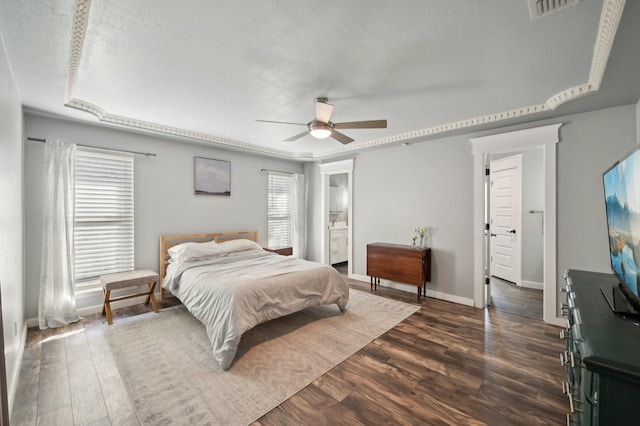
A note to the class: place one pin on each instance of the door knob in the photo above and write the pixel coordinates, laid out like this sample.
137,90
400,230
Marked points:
513,231
494,235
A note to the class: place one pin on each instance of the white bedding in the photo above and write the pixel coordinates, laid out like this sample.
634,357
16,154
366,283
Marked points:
232,294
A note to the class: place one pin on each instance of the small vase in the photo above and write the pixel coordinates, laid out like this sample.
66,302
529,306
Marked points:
414,243
421,238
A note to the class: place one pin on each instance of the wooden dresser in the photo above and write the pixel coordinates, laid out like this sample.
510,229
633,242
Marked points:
400,263
603,354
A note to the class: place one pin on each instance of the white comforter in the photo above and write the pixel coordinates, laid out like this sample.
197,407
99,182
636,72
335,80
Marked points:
231,295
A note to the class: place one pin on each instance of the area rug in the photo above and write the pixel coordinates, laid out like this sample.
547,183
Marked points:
167,365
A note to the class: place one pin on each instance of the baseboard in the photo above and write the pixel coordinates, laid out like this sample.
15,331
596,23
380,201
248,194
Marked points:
559,321
412,289
532,284
14,376
97,309
357,277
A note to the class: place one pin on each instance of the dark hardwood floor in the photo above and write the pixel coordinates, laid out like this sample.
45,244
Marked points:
508,297
445,364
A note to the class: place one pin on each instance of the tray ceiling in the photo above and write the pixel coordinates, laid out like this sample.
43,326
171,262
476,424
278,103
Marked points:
207,70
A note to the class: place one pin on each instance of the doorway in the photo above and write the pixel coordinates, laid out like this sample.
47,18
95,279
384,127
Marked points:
545,138
515,194
336,207
338,222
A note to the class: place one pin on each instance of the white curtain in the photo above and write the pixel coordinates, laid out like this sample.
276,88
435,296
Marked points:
299,216
57,304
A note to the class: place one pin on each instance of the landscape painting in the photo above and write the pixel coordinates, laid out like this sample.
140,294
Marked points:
212,177
622,199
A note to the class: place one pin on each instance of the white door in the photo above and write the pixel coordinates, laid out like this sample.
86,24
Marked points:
505,218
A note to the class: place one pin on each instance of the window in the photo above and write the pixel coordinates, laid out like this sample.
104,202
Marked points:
280,210
103,236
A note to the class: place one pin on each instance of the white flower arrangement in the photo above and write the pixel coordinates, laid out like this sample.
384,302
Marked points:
420,230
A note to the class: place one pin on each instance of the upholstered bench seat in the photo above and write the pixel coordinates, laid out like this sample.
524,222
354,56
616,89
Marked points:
121,280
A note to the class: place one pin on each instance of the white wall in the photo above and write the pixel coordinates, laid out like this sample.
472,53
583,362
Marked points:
423,184
397,189
638,123
165,203
314,215
590,143
11,224
532,199
430,183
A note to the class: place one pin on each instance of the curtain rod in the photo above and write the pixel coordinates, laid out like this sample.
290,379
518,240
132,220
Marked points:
146,154
276,171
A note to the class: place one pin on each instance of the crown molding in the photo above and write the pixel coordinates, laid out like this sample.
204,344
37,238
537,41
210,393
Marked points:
120,120
78,35
609,22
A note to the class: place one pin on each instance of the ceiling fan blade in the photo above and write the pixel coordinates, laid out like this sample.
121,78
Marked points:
341,137
281,122
323,112
371,124
296,137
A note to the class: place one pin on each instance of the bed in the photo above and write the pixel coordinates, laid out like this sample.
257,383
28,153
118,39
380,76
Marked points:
231,284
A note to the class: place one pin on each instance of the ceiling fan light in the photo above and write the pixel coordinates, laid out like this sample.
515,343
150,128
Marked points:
320,131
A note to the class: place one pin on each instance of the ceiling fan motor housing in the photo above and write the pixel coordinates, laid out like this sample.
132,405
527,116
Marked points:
319,129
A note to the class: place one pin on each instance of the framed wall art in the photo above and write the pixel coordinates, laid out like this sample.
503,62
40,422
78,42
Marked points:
212,177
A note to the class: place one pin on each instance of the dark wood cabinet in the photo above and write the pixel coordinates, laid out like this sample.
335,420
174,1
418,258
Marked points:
400,263
602,357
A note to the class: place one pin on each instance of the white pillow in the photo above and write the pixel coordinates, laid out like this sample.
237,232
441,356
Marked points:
233,246
189,252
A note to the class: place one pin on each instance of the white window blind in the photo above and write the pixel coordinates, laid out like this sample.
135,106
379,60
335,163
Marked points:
103,236
280,210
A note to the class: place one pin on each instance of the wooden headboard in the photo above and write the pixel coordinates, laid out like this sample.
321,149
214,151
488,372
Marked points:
168,241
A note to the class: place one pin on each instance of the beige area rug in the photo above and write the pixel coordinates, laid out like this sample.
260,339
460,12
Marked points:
168,368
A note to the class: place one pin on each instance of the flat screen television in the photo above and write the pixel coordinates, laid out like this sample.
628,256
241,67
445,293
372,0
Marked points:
622,200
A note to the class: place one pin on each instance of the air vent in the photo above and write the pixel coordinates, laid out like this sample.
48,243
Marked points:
540,8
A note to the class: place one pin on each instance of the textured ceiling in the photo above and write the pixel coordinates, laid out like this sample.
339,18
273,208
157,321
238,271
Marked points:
207,70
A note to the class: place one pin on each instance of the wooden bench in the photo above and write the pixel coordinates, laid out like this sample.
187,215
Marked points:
128,279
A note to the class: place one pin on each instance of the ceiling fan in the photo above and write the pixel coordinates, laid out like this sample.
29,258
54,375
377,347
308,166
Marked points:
322,127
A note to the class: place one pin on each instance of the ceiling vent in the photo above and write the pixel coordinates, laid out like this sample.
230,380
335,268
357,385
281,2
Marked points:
540,8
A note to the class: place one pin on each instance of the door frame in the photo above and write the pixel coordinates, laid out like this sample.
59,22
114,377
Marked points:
545,137
327,169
